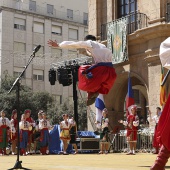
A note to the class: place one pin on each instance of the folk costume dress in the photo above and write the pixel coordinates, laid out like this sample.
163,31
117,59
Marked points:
73,131
37,133
13,129
65,131
4,125
24,127
30,134
104,130
131,124
44,126
99,77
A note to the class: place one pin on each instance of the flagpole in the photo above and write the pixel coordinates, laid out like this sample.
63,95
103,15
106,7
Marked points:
165,78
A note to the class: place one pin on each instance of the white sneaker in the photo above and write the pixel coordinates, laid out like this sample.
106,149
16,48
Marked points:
134,152
47,152
13,153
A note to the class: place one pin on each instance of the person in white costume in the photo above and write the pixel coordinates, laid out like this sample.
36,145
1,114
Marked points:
98,78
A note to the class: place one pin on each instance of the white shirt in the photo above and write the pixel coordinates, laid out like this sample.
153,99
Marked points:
44,124
99,51
24,125
154,119
164,53
4,121
72,122
64,126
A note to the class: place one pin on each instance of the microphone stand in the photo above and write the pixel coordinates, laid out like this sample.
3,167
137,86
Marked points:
18,164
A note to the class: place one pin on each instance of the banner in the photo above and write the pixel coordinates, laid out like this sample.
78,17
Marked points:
117,40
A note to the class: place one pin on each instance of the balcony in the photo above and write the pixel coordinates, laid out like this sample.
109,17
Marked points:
135,21
21,6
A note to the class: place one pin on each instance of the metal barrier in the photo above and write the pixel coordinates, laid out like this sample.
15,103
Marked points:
118,142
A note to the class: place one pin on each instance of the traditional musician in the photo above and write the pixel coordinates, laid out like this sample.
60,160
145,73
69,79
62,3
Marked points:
13,130
104,132
44,126
24,127
29,119
73,134
65,134
131,124
4,125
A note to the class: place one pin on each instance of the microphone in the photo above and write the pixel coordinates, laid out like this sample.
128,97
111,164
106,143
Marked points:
36,49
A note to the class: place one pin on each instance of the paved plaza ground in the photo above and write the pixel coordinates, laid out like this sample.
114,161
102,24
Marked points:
112,161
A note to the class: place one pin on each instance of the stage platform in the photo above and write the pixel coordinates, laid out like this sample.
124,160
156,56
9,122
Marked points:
112,161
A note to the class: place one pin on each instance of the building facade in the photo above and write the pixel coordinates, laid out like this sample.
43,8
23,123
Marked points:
148,25
25,24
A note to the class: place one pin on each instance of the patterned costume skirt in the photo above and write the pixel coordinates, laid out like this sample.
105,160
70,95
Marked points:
23,139
131,135
3,137
65,134
44,137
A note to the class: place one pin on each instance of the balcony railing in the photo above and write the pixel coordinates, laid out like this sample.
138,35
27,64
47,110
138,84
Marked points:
18,5
135,21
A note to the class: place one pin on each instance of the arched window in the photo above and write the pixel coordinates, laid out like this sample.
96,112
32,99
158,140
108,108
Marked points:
126,7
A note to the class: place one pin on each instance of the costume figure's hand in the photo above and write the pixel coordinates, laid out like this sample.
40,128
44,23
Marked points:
52,43
120,121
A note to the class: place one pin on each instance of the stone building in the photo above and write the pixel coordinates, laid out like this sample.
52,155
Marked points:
25,24
148,25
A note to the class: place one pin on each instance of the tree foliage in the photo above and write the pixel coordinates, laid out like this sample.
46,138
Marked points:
27,98
36,101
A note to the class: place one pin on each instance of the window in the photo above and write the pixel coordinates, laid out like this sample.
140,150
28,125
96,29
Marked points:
85,33
129,8
56,30
126,7
70,13
19,47
38,27
32,6
85,18
55,52
50,9
38,75
18,71
73,34
19,23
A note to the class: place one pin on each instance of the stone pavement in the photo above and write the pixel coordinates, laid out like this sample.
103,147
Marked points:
112,161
